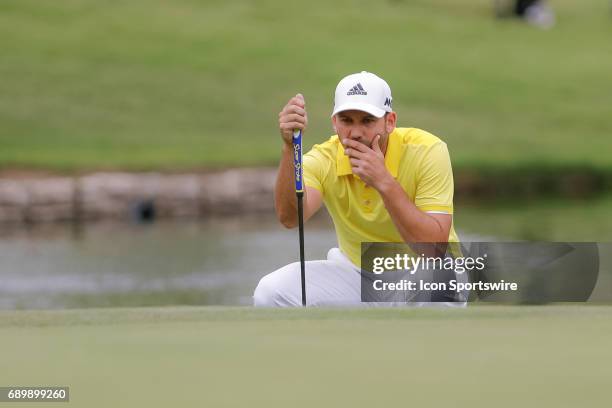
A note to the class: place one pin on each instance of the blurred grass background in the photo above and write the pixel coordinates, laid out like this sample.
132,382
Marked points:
538,220
196,84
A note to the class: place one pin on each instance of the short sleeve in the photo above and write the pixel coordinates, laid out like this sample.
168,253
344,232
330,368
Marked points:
315,169
435,186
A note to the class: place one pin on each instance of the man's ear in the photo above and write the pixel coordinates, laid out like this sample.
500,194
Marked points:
390,122
334,124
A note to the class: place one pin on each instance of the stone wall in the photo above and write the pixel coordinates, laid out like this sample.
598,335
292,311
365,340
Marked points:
27,198
135,195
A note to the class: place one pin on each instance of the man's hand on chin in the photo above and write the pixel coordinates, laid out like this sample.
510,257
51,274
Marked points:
368,163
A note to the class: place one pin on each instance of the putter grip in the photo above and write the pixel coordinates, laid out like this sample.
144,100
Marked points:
297,161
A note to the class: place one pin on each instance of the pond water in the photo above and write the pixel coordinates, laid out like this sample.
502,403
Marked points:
219,261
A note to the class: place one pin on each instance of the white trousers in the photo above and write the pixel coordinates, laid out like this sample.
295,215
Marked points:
332,282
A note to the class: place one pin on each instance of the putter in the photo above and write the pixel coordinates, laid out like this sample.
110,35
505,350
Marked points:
299,192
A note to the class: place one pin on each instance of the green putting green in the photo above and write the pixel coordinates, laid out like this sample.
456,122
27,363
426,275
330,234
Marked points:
482,356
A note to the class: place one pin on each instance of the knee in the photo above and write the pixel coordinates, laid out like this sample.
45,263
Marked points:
279,288
266,293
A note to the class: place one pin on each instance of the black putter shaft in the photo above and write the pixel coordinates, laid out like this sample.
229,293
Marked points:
299,191
300,196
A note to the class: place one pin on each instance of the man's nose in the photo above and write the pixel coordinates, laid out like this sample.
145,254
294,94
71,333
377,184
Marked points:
354,133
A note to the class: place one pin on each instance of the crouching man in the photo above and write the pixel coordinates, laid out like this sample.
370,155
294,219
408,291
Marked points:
379,183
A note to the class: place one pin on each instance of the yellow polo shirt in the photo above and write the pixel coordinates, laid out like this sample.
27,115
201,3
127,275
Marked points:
417,159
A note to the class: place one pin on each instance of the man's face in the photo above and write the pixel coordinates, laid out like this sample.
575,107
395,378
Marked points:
363,127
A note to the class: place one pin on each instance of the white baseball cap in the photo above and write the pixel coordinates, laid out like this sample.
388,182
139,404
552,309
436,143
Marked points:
365,92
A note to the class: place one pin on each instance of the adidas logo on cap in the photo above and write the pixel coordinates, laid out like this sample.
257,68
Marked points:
357,90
